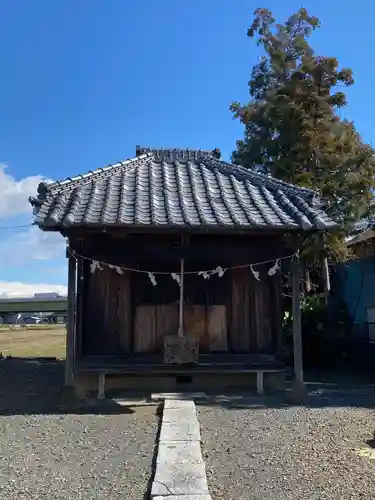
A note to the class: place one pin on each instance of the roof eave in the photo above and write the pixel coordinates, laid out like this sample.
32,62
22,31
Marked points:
360,237
199,229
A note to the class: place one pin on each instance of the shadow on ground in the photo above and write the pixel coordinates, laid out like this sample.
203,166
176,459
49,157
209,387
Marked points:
322,397
325,390
33,386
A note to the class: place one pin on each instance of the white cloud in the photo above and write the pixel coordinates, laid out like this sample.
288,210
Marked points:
30,245
32,249
19,289
14,193
27,245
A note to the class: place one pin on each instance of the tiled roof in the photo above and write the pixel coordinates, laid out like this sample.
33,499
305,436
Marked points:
362,230
177,188
363,225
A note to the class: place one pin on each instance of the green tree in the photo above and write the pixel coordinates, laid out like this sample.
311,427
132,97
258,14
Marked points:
292,127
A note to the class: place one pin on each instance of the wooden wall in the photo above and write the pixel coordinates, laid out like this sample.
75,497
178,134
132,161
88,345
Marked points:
126,313
153,322
133,249
156,308
107,322
252,310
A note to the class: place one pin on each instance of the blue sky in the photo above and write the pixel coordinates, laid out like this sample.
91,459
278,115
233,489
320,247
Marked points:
84,81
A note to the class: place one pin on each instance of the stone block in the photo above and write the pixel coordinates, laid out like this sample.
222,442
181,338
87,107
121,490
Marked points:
179,415
181,350
182,431
133,402
179,479
182,396
177,404
183,497
179,451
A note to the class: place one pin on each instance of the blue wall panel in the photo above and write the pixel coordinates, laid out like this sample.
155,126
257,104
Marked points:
355,286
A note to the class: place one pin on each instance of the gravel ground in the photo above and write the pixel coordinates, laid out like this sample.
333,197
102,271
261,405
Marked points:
47,455
255,451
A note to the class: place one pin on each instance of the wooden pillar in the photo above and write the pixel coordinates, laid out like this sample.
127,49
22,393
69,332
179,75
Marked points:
71,326
181,303
308,285
277,319
298,390
79,317
326,279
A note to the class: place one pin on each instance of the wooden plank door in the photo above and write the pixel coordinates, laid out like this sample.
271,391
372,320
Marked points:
195,324
152,323
210,324
217,328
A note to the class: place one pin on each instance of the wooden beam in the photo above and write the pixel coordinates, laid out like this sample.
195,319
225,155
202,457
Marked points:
71,326
186,231
298,391
210,252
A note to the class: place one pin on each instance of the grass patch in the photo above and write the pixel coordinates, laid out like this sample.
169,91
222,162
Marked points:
33,342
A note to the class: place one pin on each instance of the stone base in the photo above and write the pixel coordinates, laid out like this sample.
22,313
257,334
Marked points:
298,395
181,350
68,400
86,385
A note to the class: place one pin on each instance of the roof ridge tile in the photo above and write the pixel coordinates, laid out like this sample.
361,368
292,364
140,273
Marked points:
175,154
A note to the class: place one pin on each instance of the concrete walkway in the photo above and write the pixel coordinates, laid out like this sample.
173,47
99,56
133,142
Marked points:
180,470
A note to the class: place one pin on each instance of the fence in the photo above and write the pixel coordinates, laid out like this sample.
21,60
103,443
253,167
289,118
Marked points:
358,332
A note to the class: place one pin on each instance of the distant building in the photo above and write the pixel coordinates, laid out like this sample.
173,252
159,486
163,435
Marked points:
354,280
47,295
